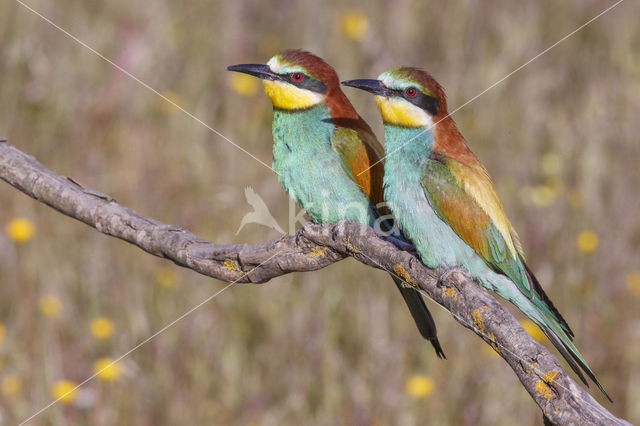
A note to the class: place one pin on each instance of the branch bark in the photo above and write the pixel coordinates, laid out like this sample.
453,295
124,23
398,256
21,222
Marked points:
561,399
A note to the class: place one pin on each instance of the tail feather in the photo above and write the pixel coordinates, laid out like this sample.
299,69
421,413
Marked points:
421,315
566,354
548,318
540,291
561,340
419,311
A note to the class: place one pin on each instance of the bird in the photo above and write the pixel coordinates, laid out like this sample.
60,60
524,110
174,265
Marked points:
325,154
260,214
445,203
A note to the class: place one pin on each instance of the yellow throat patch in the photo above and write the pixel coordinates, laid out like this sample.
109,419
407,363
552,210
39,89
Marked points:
402,113
287,96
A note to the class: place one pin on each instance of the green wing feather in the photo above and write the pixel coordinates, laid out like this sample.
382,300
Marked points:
465,198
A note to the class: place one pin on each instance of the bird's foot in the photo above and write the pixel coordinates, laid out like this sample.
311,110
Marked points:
307,227
399,243
299,233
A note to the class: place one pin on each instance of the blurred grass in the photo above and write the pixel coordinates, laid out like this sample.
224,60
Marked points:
335,346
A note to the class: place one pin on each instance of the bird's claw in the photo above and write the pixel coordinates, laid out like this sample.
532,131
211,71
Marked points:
399,243
300,232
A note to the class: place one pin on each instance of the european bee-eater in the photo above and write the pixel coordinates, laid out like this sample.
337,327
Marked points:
445,203
323,152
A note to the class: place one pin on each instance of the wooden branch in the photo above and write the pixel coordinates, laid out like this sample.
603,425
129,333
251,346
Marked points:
561,399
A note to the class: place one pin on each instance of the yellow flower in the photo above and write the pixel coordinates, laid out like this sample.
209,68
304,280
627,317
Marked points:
169,106
633,282
354,25
545,194
166,277
101,327
20,230
107,369
420,386
11,384
64,391
50,305
243,84
533,330
542,195
587,241
550,164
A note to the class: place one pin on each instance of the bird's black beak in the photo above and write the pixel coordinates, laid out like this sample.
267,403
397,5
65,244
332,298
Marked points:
372,86
256,70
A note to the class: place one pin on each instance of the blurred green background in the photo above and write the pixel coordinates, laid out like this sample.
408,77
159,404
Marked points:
337,346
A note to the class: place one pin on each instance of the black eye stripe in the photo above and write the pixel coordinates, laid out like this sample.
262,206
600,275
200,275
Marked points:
419,99
306,82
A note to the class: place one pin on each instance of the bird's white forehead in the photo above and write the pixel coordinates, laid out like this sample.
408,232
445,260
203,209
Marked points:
277,65
386,79
274,64
393,83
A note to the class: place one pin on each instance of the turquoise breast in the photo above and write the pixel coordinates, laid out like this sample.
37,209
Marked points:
310,169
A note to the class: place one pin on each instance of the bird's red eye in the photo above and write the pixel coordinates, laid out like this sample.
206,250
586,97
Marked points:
297,76
411,91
